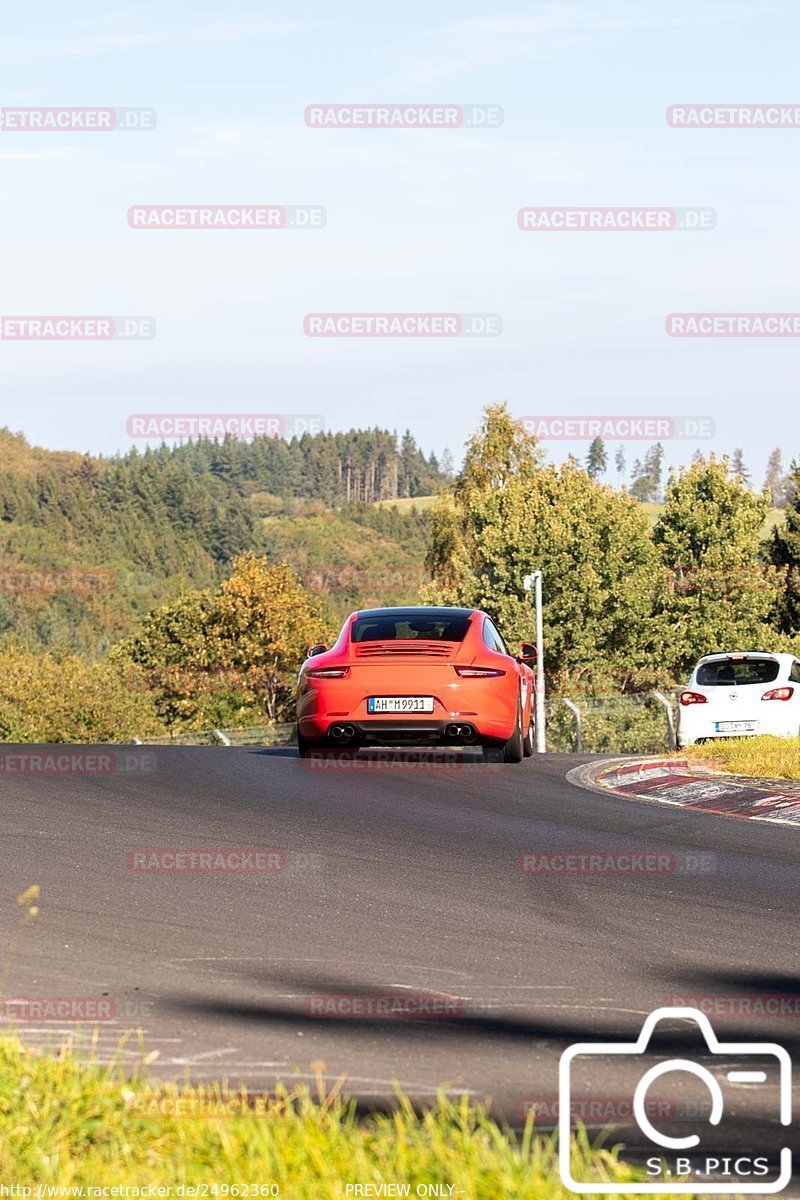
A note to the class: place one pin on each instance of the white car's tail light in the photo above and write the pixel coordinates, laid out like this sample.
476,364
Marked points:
784,693
328,673
693,698
475,672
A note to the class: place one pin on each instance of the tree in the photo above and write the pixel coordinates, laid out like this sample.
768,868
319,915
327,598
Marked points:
596,459
229,656
720,593
646,485
446,466
619,463
61,698
776,480
785,555
508,515
738,469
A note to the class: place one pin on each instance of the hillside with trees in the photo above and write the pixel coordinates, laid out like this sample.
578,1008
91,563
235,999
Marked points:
172,518
226,562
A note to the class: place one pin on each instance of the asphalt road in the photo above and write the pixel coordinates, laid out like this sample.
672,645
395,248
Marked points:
397,880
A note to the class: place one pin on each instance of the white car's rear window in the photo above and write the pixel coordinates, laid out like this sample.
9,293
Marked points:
724,672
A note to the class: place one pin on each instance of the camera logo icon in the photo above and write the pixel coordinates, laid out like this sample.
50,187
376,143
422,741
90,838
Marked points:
679,1163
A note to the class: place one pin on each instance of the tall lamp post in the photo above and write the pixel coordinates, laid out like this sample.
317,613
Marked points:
534,580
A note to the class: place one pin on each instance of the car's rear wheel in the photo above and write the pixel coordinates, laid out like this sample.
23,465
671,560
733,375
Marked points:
304,747
514,748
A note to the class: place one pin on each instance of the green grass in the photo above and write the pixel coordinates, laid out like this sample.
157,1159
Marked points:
773,517
420,502
763,757
67,1124
653,511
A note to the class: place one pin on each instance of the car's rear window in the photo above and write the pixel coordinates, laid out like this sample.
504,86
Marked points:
727,671
390,629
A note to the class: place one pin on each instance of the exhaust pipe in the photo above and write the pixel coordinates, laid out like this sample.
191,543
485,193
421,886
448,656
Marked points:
342,733
459,733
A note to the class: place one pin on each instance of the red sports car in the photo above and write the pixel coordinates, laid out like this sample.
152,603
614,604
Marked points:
400,676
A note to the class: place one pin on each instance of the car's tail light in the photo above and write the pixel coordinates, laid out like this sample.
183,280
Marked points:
693,698
328,673
779,694
473,672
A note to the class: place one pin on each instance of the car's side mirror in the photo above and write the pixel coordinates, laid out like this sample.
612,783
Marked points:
319,648
527,653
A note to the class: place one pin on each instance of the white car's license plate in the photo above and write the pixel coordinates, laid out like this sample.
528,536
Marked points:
736,726
400,704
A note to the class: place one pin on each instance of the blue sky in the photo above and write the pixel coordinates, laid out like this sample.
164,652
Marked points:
417,220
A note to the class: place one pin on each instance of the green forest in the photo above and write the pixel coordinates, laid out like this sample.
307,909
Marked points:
177,589
155,524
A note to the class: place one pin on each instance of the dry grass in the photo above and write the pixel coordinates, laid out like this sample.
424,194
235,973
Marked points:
764,757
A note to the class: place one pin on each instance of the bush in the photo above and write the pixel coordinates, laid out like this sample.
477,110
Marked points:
52,698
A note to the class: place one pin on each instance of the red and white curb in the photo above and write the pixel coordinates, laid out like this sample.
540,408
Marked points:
675,781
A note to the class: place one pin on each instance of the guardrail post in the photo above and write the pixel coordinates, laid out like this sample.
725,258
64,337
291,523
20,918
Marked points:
221,736
573,708
662,699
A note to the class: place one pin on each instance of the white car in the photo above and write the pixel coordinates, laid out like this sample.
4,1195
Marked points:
739,694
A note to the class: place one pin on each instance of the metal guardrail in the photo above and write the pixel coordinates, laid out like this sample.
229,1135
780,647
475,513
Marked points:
643,722
251,735
639,723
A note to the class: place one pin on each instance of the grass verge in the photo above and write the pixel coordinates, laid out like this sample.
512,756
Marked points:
764,757
69,1124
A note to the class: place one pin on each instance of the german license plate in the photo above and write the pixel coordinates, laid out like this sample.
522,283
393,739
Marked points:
400,704
736,726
